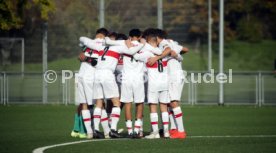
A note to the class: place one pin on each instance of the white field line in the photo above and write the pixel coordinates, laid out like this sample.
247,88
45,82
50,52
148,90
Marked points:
42,149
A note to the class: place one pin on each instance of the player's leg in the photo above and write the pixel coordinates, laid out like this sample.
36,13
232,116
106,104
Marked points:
173,127
98,95
77,128
97,118
175,97
164,100
138,120
128,117
104,123
126,99
87,86
139,98
87,120
153,101
111,91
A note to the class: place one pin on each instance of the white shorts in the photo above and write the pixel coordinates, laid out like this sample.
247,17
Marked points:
132,91
85,91
175,90
105,85
155,97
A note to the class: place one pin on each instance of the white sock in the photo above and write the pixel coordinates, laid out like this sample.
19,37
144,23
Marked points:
172,119
97,118
137,125
154,122
115,116
129,126
87,120
141,128
104,122
179,119
165,119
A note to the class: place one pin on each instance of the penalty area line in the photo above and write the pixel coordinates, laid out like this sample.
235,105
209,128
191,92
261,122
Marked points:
42,149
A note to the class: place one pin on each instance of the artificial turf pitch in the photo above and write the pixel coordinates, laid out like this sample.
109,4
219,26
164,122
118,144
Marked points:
26,127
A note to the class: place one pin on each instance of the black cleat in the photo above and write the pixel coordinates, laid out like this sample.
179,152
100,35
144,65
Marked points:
161,133
136,135
130,135
98,135
114,134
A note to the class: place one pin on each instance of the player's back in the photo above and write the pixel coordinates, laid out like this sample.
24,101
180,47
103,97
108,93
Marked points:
108,58
131,65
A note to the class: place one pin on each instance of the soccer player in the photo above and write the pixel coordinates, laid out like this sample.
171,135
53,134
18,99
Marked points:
157,84
105,85
86,79
132,89
176,83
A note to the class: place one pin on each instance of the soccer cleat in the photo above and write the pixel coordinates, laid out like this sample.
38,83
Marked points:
136,135
166,134
120,130
74,134
172,131
89,136
153,135
161,132
179,135
130,135
98,135
114,134
106,136
82,135
141,134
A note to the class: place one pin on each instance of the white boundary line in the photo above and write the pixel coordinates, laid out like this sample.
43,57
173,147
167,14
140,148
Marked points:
42,149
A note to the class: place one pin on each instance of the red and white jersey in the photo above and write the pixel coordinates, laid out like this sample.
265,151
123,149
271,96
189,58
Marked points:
175,70
157,73
109,55
174,64
131,65
86,69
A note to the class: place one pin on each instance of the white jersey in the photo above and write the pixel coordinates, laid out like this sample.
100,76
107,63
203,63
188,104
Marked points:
174,64
109,55
86,69
132,66
157,73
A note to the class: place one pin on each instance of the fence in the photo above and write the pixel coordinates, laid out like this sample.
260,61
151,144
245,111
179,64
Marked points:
247,88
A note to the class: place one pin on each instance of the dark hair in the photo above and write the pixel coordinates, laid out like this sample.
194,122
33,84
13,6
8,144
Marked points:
121,36
149,32
161,33
102,31
135,33
113,34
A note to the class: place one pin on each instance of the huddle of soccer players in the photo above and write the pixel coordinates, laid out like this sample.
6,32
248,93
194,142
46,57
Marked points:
147,54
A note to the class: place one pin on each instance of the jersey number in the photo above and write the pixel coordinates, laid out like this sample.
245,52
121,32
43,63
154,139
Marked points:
160,65
105,51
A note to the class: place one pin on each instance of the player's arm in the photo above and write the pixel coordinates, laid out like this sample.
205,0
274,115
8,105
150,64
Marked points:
179,48
131,50
90,43
143,57
110,42
165,53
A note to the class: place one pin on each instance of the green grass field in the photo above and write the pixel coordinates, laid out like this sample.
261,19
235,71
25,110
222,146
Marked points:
26,127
